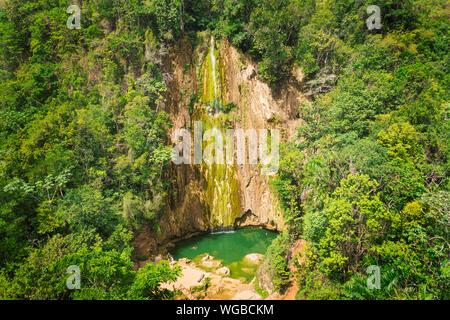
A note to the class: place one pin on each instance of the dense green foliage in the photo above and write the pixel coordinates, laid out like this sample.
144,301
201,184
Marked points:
275,260
83,145
369,184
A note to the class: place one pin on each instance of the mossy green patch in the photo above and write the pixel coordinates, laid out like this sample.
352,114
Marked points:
221,186
243,270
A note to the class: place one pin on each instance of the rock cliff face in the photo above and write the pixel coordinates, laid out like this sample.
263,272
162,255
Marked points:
207,197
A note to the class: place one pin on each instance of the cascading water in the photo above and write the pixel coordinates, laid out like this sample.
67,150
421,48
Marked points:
222,187
212,56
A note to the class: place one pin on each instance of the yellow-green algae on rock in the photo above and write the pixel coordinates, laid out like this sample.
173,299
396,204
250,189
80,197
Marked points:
222,192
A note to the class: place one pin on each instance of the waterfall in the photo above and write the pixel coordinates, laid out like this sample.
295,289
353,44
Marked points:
213,65
221,189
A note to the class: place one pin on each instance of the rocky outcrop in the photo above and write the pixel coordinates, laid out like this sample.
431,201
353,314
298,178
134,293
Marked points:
224,271
258,108
219,286
264,278
186,205
209,262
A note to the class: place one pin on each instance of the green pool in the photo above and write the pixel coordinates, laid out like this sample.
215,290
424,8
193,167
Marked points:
230,247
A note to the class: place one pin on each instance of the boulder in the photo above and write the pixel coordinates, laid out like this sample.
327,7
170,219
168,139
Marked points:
207,257
224,271
209,262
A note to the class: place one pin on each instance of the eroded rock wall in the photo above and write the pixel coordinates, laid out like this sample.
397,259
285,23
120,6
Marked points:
258,107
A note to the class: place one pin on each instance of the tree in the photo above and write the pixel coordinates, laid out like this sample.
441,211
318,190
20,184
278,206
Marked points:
149,279
274,25
356,221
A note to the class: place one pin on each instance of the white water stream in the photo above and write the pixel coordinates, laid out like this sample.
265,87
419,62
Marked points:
213,64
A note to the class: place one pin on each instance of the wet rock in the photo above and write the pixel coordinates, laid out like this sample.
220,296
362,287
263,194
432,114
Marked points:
207,257
224,271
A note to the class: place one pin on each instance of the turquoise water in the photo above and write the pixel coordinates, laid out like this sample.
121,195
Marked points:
230,247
